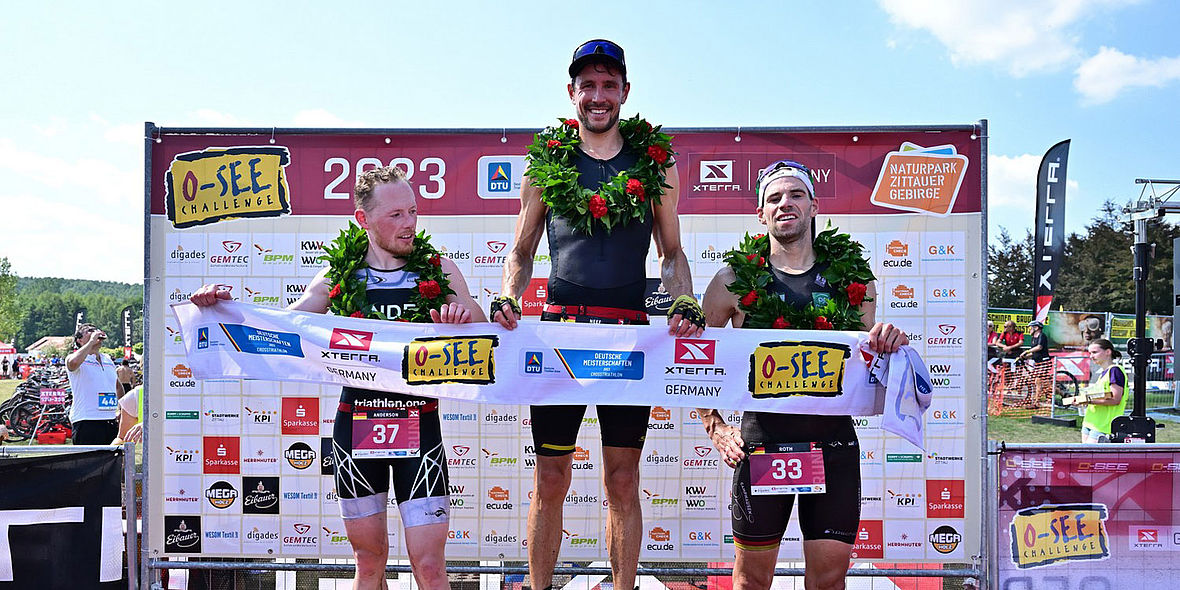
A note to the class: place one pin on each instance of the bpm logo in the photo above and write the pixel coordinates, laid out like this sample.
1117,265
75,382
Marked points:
716,171
344,339
499,177
695,352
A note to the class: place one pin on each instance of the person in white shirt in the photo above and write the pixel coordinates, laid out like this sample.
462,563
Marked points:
93,382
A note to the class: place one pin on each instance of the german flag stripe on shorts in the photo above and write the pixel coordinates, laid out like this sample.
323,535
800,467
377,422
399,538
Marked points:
752,545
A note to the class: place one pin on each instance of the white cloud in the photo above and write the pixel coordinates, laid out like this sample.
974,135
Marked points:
1024,37
1102,77
322,118
1012,194
211,118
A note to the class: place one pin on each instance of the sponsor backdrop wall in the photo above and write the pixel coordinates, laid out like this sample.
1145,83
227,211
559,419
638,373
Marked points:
243,464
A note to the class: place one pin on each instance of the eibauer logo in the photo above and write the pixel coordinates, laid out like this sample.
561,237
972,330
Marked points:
920,179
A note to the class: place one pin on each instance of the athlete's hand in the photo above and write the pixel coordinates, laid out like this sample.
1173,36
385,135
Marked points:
886,338
451,313
682,328
728,441
135,433
210,294
505,311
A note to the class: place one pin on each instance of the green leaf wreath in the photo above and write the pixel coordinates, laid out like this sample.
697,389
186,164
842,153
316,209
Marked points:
847,271
347,297
624,198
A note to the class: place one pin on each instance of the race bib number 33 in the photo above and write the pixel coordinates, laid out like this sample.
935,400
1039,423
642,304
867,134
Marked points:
796,468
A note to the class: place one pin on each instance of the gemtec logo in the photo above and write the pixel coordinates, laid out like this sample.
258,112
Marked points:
702,460
461,459
695,352
229,257
947,336
344,339
945,498
495,258
301,415
222,454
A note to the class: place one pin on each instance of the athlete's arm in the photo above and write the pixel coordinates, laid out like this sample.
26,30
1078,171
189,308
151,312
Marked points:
315,296
460,308
721,307
76,358
518,268
883,337
674,271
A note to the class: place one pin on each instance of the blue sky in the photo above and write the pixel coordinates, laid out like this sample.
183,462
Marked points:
79,80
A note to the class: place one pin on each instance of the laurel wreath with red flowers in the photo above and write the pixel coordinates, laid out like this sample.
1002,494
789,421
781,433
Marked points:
846,271
624,198
347,295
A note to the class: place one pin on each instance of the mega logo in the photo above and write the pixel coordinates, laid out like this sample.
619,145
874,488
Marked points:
345,339
499,497
870,540
695,352
445,359
945,498
945,539
782,369
262,495
301,415
1049,533
222,454
221,495
206,186
182,534
299,455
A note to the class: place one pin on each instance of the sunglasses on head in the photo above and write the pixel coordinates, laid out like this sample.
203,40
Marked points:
784,164
599,47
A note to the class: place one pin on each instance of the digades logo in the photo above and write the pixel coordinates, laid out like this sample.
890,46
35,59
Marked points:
446,359
781,369
1049,533
213,184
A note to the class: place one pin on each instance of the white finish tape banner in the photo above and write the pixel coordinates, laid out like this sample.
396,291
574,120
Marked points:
806,372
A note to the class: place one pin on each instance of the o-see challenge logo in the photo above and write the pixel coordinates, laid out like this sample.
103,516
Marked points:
1049,533
209,185
782,369
447,359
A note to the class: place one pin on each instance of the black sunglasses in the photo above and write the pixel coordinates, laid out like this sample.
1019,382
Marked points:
599,47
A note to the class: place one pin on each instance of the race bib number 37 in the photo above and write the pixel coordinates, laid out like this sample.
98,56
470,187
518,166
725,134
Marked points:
385,434
796,468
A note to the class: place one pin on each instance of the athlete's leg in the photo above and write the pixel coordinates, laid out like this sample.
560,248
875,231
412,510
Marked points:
825,564
426,545
624,525
551,482
754,570
370,546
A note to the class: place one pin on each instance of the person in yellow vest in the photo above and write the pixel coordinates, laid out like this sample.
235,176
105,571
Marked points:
1112,383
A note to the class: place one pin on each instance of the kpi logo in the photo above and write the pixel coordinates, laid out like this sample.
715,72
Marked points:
344,339
695,352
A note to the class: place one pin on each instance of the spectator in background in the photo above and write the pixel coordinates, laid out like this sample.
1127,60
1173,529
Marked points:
16,367
993,341
93,381
1011,340
4,368
1039,351
125,375
1104,400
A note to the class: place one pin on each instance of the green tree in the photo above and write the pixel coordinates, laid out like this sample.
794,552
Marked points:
10,309
1009,271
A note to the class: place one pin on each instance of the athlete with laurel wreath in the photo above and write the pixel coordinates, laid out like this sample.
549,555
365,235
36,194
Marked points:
795,279
601,189
384,270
